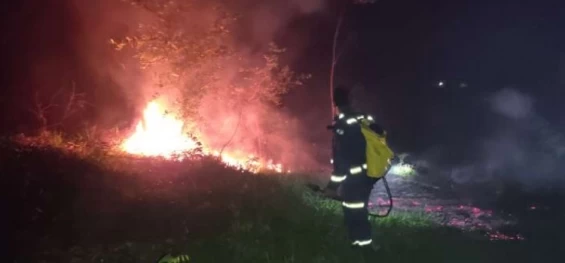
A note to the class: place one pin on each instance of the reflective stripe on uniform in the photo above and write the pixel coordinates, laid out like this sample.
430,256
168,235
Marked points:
362,242
354,205
338,178
351,121
370,118
178,259
183,259
356,170
360,117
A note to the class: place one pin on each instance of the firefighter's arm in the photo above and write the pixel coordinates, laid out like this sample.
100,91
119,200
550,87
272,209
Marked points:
339,163
339,174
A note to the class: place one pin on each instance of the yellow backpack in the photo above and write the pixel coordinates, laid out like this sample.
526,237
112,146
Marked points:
378,153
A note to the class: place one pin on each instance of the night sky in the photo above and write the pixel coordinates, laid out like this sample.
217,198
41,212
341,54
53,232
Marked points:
401,50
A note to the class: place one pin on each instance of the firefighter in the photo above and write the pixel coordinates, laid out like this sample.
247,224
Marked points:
349,182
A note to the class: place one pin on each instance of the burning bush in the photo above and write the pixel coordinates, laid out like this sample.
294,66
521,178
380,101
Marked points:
225,95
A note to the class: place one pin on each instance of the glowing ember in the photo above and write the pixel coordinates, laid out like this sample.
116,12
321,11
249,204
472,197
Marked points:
160,134
496,235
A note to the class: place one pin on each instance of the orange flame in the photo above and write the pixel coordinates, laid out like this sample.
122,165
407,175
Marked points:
160,134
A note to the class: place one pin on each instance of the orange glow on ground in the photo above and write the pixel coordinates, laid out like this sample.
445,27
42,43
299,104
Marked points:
161,134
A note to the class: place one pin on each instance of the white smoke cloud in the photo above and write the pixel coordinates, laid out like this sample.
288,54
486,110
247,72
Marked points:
512,104
528,150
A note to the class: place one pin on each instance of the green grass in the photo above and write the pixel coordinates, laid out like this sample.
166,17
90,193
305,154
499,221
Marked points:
120,209
297,226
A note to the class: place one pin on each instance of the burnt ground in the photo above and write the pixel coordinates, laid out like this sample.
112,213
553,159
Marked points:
508,214
66,208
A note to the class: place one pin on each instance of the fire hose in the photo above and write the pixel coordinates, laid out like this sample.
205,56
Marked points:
318,189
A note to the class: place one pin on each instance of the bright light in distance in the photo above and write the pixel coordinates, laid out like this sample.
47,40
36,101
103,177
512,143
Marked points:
402,169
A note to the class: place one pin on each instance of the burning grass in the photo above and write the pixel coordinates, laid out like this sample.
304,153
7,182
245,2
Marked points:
160,133
73,209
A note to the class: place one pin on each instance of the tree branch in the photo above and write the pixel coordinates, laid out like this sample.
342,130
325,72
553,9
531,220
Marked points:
74,103
234,132
335,58
343,49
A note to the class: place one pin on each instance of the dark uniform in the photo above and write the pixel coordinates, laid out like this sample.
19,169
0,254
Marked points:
349,172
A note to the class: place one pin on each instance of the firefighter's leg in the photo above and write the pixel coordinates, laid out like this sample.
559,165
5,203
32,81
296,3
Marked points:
355,210
365,228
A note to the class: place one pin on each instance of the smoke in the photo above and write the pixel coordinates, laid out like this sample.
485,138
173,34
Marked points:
512,104
117,83
521,146
228,121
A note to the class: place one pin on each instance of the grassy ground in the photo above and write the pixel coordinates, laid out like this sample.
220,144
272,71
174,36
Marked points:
66,207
